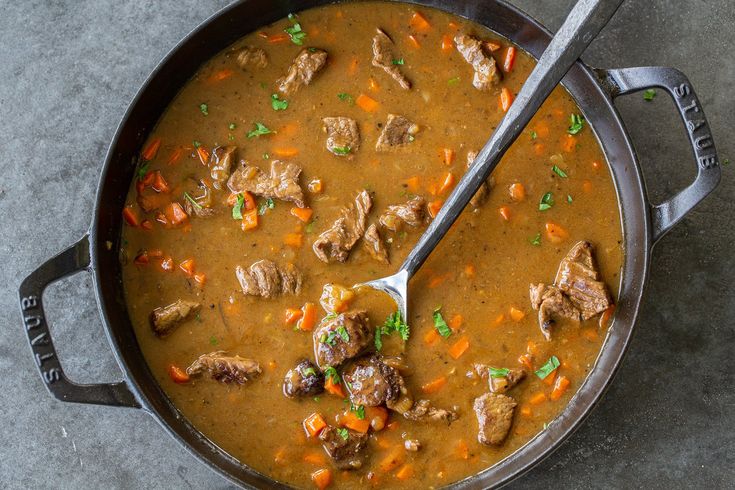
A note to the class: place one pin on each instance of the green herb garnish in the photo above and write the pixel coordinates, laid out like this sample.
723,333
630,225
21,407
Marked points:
278,104
394,323
548,368
265,206
440,324
331,337
343,433
649,94
359,410
196,143
546,202
346,97
213,340
231,126
342,332
260,129
453,81
192,201
330,372
536,240
576,123
399,61
559,172
295,32
308,372
204,108
569,198
341,150
499,372
143,170
237,208
266,156
534,135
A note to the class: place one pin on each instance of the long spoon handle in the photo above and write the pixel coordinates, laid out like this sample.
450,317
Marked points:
584,22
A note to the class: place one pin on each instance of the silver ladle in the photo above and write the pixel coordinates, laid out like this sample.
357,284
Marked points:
584,22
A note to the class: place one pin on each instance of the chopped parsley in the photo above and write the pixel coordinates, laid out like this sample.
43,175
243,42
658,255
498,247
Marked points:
649,94
533,134
536,241
547,200
295,32
399,61
569,198
265,206
213,340
309,228
330,372
346,97
394,323
278,104
266,156
196,143
343,433
576,123
499,372
237,208
143,170
231,126
331,337
308,372
359,410
453,81
548,367
558,171
192,201
440,324
260,129
411,138
726,161
231,137
204,108
341,150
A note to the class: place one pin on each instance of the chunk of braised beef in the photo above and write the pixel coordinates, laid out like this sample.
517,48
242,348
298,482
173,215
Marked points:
336,242
165,318
250,56
384,57
486,69
424,411
339,338
497,383
302,71
374,244
397,133
411,213
343,136
267,279
494,417
220,165
344,446
481,195
282,182
579,279
551,303
371,382
305,379
224,368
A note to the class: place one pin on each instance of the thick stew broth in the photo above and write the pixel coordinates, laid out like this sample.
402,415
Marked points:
552,190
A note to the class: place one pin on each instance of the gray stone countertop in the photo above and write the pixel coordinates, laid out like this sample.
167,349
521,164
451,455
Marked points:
68,69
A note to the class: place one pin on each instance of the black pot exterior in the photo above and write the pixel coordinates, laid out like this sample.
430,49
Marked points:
593,90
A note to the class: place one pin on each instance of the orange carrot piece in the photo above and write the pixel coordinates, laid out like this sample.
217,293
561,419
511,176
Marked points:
462,450
366,103
316,186
492,46
353,65
200,278
419,22
606,317
469,270
526,411
539,149
130,216
350,420
413,41
414,184
177,374
293,315
555,233
538,399
526,360
315,457
498,320
176,214
561,386
447,43
188,267
587,186
220,75
405,472
459,348
549,379
249,220
516,315
308,317
437,281
313,424
150,151
434,385
286,152
448,156
447,183
504,212
517,192
455,323
378,417
203,154
509,59
393,459
277,38
569,143
248,201
506,99
334,388
434,207
142,258
294,240
159,183
146,224
431,337
322,478
304,214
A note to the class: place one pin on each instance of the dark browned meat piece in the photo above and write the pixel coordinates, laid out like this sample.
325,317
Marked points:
251,56
198,200
343,136
220,165
374,244
165,318
500,384
346,452
579,278
337,241
412,213
342,337
397,132
551,303
282,182
371,382
484,189
265,278
383,57
225,368
486,70
302,70
495,416
424,411
303,380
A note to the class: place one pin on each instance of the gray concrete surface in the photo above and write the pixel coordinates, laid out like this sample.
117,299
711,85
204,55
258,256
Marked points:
69,68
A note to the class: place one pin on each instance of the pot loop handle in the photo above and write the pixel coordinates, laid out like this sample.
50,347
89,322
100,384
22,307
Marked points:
625,81
74,259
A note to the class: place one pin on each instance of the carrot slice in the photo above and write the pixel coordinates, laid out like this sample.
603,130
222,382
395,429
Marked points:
459,348
221,75
448,156
378,417
200,278
313,424
434,385
322,478
203,154
159,183
447,183
456,322
333,388
150,151
431,337
175,214
517,192
249,220
142,258
293,315
516,315
130,216
462,450
447,43
308,317
434,207
177,374
277,38
394,459
350,420
304,214
561,386
414,184
286,152
538,399
504,212
419,22
413,41
555,233
188,267
294,240
526,360
405,472
569,143
506,99
174,157
366,103
509,59
373,85
469,270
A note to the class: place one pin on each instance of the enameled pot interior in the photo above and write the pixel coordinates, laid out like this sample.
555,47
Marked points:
229,25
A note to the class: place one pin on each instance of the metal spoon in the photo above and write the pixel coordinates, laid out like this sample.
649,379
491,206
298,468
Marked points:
582,24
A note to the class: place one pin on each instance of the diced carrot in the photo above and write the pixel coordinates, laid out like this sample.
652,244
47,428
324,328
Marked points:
220,75
438,280
174,157
293,240
350,420
587,186
146,224
459,348
537,399
272,365
431,336
316,186
413,41
277,38
413,184
393,459
539,149
492,46
516,315
315,457
130,216
167,264
448,156
188,267
322,478
175,214
447,43
556,233
434,385
509,59
542,129
366,103
504,212
455,323
434,207
549,379
606,317
498,320
293,315
453,25
378,417
177,374
569,143
373,85
159,183
249,220
526,411
419,22
562,384
506,99
469,270
203,154
304,214
313,424
462,450
307,317
432,188
231,199
526,360
532,348
142,258
333,388
148,178
155,252
286,152
447,183
517,192
150,151
405,472
200,278
248,201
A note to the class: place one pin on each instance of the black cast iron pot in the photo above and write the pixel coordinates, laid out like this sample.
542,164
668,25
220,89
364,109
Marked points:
594,91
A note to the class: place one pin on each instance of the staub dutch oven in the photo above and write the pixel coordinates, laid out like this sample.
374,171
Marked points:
594,91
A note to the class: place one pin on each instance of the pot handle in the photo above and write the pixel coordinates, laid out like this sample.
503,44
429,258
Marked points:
625,81
74,259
